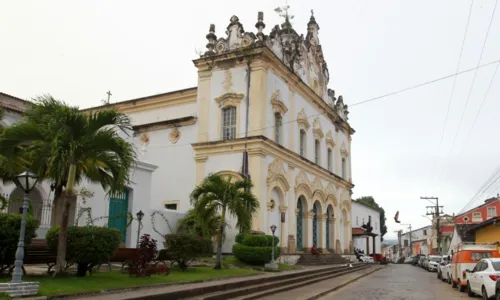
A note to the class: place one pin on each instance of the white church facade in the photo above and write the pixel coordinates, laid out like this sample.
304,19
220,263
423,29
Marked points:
262,109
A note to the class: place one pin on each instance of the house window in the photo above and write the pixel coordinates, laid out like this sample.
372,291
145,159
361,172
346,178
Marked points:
302,142
476,215
357,221
229,123
425,232
278,122
316,151
492,212
406,243
343,168
363,221
172,206
329,158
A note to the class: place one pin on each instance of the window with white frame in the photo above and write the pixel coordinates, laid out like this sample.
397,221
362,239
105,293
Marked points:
229,123
476,216
357,220
302,142
492,212
278,124
316,151
344,168
329,160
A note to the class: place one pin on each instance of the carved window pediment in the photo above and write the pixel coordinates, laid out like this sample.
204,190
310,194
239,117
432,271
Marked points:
278,104
329,139
343,150
229,99
317,131
302,120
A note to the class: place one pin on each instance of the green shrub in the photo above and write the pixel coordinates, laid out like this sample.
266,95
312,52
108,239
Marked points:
87,246
185,248
10,225
259,240
256,255
239,238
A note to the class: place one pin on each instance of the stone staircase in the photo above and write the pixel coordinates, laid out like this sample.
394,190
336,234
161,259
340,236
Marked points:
322,259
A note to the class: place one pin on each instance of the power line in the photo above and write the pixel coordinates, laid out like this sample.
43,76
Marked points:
472,85
490,181
452,91
360,102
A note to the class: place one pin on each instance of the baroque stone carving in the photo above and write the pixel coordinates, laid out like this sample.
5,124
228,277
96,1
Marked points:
144,138
316,185
329,139
302,120
174,135
229,99
317,131
228,81
301,179
278,104
343,150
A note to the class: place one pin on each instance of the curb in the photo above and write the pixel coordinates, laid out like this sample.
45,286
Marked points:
343,284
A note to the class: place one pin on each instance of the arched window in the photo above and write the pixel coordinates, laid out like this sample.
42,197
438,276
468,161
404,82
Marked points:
329,159
344,171
278,123
316,152
302,142
229,123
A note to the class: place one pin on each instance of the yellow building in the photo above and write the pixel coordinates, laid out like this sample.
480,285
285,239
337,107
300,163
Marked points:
488,231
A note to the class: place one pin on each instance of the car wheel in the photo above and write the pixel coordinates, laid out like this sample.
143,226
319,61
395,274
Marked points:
485,294
469,291
497,294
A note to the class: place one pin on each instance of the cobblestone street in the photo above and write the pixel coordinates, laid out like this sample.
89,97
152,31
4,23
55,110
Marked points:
398,282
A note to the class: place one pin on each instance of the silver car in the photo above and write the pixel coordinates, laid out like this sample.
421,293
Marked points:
433,262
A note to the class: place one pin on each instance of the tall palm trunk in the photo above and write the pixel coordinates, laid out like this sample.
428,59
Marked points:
219,241
63,230
58,193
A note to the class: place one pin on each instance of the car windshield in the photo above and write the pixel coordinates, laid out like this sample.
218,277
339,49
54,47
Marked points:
476,256
496,265
435,259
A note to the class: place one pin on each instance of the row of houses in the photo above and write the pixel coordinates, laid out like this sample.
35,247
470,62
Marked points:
480,224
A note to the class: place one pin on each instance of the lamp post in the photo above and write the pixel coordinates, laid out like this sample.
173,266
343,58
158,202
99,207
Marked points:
272,266
26,181
139,215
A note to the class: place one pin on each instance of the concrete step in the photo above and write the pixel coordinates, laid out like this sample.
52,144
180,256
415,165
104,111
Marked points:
289,288
286,284
322,259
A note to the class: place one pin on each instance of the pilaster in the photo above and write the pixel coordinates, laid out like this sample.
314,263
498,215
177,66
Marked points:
204,97
258,98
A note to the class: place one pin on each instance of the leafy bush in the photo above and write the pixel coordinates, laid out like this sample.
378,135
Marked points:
255,255
185,248
87,246
10,225
148,249
239,238
259,240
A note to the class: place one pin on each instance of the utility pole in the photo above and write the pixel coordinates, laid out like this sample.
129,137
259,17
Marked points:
399,232
435,211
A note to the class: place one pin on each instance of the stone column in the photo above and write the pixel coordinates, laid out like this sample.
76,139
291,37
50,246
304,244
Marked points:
322,231
374,248
308,216
332,234
367,250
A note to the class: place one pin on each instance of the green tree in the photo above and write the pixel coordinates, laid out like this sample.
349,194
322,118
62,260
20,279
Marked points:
370,201
66,146
207,226
218,194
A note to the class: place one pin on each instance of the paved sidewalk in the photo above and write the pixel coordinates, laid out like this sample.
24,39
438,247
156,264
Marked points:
158,290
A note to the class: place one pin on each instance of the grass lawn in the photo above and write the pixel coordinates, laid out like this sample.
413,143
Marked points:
231,260
104,280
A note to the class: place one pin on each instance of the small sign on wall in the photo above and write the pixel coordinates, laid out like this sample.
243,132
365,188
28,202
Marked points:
282,217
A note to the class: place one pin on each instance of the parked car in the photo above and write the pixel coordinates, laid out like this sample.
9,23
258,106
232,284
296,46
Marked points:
425,263
378,258
466,256
366,259
483,278
497,289
442,267
421,261
415,260
433,262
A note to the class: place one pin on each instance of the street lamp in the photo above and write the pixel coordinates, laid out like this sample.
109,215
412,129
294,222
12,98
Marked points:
272,265
26,181
139,215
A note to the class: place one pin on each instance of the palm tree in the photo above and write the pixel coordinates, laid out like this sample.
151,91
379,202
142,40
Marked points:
67,146
218,194
207,225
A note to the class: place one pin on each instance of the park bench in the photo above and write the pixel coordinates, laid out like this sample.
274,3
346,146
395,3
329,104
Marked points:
124,256
37,253
164,256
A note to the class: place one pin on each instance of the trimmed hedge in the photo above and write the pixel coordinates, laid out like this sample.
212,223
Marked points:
10,225
259,240
87,246
255,255
239,238
185,248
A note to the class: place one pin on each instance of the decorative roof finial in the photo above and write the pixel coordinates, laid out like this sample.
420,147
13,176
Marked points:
211,37
260,25
283,12
312,20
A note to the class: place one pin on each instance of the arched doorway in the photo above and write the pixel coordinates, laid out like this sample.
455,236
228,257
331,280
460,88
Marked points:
329,218
316,215
16,199
301,208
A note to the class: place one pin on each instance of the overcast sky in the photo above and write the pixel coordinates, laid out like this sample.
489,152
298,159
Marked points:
78,50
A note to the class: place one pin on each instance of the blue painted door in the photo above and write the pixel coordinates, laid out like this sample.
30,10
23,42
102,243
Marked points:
315,227
328,230
299,225
118,209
